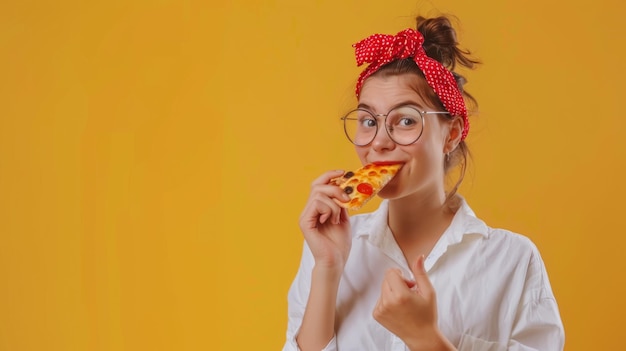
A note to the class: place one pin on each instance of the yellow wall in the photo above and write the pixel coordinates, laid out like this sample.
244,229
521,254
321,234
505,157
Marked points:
155,155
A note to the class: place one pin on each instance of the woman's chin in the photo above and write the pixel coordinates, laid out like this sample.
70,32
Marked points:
387,192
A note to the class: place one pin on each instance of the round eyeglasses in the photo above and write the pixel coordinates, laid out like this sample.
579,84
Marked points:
404,125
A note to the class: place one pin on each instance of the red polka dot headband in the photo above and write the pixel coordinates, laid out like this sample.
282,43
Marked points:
380,49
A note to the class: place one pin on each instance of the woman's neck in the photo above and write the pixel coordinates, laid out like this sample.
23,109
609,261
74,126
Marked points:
418,221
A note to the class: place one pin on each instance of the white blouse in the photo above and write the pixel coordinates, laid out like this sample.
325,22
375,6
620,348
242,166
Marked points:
493,291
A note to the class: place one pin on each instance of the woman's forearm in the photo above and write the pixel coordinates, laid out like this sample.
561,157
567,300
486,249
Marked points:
318,323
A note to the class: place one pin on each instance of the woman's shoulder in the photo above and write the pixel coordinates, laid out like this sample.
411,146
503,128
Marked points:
511,251
497,239
508,237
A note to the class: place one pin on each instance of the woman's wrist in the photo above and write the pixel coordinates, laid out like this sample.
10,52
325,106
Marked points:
327,273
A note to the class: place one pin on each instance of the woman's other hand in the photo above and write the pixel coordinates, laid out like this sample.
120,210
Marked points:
409,309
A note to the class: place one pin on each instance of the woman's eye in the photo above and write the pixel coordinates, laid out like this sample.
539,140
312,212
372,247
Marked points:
368,122
406,121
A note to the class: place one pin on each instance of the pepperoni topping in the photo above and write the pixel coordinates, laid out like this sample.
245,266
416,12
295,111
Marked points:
372,173
365,188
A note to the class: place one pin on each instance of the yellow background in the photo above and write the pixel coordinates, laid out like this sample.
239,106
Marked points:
155,156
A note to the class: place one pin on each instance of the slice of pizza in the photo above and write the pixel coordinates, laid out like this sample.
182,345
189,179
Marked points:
364,183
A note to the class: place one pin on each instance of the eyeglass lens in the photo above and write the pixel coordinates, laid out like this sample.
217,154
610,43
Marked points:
404,125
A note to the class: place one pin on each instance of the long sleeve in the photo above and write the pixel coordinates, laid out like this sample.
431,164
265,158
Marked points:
539,328
537,324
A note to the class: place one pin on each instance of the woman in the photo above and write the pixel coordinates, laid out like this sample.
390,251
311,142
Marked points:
422,272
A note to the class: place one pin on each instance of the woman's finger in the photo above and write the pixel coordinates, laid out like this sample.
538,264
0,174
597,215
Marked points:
421,278
396,282
319,210
326,177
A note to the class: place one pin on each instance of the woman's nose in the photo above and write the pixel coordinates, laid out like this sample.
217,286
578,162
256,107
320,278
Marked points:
382,141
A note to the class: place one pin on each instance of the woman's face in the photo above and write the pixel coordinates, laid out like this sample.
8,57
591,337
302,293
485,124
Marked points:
422,173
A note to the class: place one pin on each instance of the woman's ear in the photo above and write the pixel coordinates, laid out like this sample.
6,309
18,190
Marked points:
454,135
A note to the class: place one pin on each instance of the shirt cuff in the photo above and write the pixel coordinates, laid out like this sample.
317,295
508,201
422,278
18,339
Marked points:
470,343
292,345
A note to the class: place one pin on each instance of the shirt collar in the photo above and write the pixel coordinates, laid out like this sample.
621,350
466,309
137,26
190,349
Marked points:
465,222
374,226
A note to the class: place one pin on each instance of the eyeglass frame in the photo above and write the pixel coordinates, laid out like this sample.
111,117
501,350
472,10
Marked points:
376,115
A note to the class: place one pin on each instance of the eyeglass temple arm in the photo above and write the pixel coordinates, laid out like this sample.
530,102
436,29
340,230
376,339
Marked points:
435,112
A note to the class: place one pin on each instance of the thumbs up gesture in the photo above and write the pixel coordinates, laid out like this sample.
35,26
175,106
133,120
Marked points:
408,309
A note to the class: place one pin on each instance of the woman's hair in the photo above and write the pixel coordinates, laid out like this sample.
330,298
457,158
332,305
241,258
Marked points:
440,44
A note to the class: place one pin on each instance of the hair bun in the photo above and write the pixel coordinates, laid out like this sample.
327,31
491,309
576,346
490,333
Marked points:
440,42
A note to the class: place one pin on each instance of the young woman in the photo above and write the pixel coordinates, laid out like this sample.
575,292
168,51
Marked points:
422,272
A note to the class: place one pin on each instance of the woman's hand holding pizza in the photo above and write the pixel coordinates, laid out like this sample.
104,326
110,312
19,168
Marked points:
325,224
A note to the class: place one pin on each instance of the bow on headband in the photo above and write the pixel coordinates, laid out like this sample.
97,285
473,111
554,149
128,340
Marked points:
381,49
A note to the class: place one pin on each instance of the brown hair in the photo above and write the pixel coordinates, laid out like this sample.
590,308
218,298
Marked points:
440,44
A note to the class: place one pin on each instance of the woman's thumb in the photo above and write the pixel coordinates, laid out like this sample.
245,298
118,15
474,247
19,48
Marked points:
421,277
